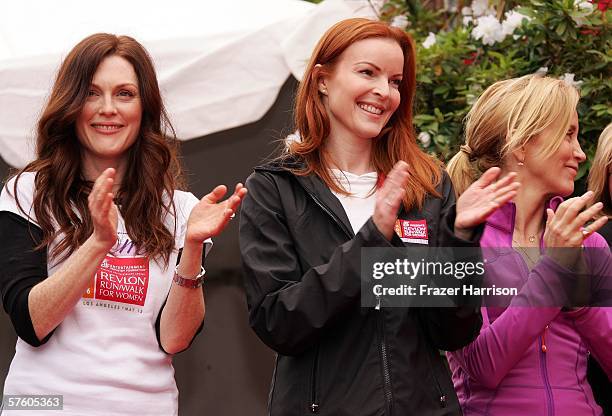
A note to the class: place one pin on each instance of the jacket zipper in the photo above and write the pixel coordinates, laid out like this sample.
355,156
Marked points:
314,406
331,214
547,388
441,395
271,394
385,363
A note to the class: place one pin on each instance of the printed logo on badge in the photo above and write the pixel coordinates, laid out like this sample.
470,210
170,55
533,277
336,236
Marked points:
412,231
121,279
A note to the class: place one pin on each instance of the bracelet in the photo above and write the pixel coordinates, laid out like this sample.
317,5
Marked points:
193,283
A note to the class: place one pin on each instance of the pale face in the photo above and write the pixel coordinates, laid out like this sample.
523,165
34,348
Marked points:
553,174
110,119
362,93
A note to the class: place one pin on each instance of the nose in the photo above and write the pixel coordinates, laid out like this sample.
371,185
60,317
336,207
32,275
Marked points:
107,106
381,88
578,153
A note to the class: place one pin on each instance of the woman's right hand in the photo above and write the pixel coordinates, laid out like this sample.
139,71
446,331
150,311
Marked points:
103,210
566,228
389,198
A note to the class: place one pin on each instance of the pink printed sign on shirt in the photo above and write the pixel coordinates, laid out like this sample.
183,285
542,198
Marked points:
412,231
123,279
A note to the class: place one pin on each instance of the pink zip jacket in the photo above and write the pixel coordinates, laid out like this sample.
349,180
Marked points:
532,360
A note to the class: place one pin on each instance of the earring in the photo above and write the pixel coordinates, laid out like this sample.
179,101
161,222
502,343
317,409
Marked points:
521,163
323,91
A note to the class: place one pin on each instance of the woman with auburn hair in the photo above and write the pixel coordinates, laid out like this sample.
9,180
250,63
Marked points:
355,176
93,228
530,356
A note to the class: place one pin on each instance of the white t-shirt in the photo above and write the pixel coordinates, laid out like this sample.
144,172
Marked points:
104,357
359,206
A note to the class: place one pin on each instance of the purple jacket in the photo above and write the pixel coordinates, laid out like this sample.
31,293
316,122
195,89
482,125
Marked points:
526,360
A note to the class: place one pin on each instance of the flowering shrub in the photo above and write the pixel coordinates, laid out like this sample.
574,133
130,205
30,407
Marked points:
461,51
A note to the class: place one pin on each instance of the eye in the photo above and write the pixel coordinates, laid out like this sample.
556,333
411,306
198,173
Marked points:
92,93
126,93
367,72
396,82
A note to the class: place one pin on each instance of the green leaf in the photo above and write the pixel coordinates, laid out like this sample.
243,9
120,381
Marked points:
439,115
561,28
442,89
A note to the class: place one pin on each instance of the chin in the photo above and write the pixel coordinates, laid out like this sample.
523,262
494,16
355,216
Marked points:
565,191
370,133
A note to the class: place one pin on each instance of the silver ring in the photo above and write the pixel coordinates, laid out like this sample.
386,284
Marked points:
585,232
232,216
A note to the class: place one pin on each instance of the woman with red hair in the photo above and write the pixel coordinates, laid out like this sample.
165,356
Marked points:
354,176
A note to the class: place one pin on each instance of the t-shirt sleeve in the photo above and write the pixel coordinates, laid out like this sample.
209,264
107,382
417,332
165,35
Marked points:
20,200
22,266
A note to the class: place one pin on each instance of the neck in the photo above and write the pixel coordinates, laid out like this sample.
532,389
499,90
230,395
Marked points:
93,168
529,220
350,154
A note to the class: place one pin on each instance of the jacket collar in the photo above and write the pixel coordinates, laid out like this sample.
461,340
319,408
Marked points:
503,219
315,187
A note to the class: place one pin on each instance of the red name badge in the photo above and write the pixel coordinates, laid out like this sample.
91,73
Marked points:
412,231
121,279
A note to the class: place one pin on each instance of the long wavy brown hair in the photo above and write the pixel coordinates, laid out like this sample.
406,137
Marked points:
396,141
153,169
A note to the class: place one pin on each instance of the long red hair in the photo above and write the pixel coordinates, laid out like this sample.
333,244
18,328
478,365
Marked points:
396,141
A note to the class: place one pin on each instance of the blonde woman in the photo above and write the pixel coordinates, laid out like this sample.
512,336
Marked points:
599,184
599,178
530,360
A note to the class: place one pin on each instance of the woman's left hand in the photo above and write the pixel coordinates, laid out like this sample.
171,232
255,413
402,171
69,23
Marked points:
209,217
482,198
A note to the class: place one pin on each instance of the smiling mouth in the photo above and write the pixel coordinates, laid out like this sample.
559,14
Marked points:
371,109
107,127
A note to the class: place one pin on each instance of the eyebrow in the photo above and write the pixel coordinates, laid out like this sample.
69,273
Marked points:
399,74
125,84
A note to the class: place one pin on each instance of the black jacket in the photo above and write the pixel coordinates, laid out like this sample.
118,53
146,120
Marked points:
302,265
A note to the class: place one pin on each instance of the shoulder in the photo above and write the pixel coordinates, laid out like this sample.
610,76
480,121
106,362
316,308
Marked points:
284,163
606,231
18,194
595,240
444,188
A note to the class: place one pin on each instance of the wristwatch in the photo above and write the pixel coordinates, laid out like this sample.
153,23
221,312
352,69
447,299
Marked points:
192,283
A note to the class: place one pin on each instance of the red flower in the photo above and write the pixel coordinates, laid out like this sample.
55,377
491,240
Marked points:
602,5
471,59
589,32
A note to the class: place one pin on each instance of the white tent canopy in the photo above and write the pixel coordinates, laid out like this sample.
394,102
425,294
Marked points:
220,65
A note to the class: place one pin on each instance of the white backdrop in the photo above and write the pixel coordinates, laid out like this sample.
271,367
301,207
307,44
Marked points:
220,64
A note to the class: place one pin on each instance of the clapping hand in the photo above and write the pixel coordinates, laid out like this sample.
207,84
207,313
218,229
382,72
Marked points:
103,210
389,198
482,198
566,228
209,217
